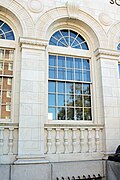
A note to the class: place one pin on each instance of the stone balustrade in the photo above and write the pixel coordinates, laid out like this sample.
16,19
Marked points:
65,139
8,142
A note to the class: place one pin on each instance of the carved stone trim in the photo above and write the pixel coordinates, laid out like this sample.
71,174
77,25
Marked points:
72,8
33,42
105,19
107,54
35,5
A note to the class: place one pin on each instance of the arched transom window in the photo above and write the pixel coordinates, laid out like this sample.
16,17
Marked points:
6,69
5,31
69,81
66,38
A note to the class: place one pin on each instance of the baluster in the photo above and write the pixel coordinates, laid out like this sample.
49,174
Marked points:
66,140
100,140
90,140
49,140
82,139
74,139
10,141
57,140
97,139
1,140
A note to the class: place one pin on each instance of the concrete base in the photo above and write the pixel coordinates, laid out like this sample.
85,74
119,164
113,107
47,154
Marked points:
50,171
31,172
68,169
4,172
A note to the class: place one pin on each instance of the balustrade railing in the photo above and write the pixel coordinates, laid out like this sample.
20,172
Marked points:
8,142
62,139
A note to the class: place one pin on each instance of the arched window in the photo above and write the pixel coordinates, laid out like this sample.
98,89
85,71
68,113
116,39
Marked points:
69,81
6,69
66,38
5,31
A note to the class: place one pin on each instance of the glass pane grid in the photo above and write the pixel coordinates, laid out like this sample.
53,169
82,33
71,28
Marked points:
6,74
70,99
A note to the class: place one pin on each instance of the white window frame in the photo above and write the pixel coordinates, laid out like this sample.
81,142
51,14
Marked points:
58,50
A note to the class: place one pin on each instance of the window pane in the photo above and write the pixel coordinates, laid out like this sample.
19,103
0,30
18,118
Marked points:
52,73
64,32
69,62
52,60
86,64
61,87
80,38
61,100
52,100
61,73
119,69
1,53
61,113
79,114
84,46
78,88
78,75
61,61
53,41
57,35
10,36
70,88
86,88
70,74
86,76
51,113
70,114
6,28
78,101
78,63
73,34
87,114
87,101
61,44
69,100
74,43
51,86
62,40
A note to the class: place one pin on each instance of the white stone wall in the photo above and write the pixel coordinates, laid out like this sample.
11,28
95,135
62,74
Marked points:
33,22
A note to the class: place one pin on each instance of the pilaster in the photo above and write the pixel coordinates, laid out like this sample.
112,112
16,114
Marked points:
32,101
107,61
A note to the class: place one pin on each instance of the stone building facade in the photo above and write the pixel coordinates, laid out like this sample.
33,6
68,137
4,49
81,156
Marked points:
59,87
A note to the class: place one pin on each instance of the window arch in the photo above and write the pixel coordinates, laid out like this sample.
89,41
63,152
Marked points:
5,31
69,81
68,38
6,69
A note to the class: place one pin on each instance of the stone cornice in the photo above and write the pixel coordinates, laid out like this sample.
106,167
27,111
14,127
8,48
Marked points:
107,54
33,42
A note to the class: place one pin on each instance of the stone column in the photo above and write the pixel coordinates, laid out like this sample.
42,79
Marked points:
32,113
108,96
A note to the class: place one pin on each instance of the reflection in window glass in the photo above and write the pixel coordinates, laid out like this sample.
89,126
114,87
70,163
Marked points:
61,113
